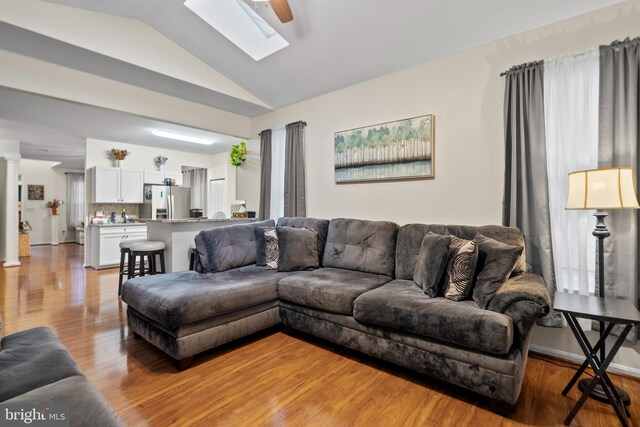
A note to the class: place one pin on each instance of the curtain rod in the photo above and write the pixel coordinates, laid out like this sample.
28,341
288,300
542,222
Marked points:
521,67
302,122
194,169
614,43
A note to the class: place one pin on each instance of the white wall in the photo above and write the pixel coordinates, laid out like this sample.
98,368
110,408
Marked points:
248,177
141,157
221,168
39,172
465,93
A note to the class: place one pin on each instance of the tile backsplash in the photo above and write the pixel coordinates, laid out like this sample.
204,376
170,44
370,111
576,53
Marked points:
132,210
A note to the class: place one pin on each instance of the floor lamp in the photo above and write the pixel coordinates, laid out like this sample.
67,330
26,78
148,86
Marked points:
610,188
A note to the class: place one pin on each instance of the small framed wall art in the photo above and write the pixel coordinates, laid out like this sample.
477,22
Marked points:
35,192
388,151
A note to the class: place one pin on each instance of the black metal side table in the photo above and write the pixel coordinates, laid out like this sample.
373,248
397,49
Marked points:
612,312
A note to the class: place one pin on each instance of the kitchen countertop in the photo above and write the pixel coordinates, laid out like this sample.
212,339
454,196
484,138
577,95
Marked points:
196,220
119,224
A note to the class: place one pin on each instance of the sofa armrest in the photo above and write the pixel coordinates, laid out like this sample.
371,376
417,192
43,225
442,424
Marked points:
525,299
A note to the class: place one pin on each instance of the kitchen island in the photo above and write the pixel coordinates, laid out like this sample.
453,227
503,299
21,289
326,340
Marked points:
178,234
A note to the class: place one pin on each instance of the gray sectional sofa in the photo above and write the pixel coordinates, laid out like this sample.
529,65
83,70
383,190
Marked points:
37,372
362,297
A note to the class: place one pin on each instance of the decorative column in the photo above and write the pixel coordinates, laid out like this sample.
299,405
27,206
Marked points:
54,229
11,207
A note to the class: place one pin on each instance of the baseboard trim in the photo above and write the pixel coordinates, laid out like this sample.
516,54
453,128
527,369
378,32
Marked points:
12,264
578,359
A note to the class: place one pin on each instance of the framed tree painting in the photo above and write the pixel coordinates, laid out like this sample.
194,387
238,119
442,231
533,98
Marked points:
396,150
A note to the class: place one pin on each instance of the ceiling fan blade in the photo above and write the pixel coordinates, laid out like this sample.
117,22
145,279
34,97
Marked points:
282,10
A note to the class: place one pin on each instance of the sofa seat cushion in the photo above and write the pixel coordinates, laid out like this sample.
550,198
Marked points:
32,359
176,299
402,305
328,289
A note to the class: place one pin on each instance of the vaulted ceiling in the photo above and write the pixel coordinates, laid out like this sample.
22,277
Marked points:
160,47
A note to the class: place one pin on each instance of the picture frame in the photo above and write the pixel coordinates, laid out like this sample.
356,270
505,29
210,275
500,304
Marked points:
398,150
35,192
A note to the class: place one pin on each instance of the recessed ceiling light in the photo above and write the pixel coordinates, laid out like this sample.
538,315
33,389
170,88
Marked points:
239,23
181,137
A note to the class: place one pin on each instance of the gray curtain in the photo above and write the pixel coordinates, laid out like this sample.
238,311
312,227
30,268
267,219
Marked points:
294,182
265,174
526,197
619,139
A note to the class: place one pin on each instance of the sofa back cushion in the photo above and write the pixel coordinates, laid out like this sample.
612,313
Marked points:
224,248
410,238
320,225
367,246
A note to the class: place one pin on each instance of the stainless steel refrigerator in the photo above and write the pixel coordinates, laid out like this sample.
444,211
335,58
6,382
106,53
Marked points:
172,200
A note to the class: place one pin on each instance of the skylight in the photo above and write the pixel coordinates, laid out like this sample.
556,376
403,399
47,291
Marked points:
238,22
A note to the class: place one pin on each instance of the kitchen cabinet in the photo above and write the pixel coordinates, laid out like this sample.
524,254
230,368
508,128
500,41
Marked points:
105,242
154,177
158,177
115,185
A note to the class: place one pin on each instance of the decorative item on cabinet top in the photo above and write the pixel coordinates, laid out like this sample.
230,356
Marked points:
160,162
119,155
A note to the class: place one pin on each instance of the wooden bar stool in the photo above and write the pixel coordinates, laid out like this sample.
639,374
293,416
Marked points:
124,253
149,249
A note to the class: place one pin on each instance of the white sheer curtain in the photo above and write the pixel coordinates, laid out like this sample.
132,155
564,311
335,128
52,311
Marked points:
75,200
277,173
571,95
196,179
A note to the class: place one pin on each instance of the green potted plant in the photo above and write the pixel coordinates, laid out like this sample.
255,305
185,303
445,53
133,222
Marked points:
238,154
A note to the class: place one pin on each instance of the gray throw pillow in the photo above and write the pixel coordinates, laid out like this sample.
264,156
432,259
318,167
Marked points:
298,249
432,262
266,247
461,267
496,261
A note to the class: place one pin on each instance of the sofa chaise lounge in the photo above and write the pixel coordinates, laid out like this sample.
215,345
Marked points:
362,297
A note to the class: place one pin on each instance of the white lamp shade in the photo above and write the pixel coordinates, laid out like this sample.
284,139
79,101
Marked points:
611,188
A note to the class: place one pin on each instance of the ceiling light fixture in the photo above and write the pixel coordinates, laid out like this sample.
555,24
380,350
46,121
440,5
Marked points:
180,137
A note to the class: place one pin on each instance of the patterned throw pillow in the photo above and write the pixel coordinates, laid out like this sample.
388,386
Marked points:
461,267
266,247
271,248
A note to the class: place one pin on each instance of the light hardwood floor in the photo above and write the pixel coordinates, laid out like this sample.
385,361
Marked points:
269,379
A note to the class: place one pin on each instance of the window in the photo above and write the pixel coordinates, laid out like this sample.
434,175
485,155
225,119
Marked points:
75,200
571,95
277,172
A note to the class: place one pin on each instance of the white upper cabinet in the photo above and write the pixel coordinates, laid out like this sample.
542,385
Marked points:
154,177
131,186
115,185
106,185
158,177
